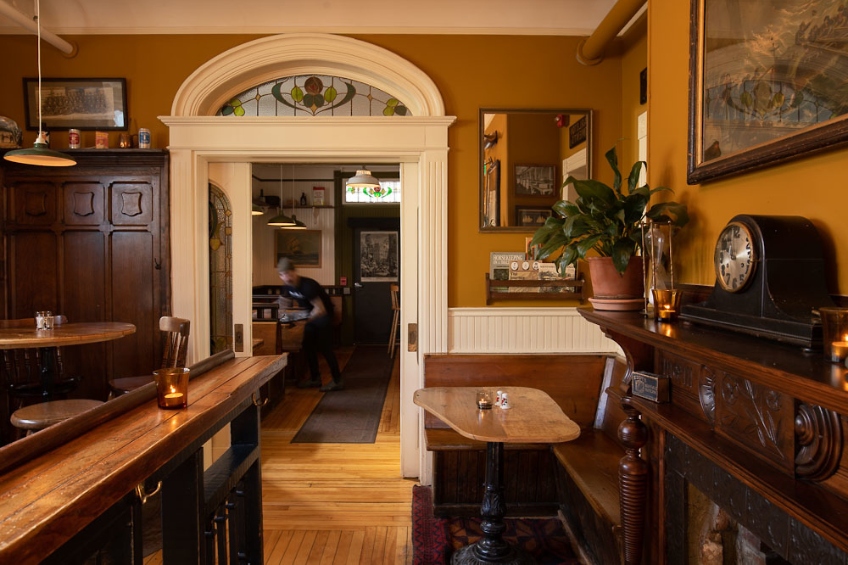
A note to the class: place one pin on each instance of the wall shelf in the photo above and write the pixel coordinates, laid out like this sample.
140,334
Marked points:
567,289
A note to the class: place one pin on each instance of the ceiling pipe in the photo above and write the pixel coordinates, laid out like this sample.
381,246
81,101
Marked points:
25,21
590,51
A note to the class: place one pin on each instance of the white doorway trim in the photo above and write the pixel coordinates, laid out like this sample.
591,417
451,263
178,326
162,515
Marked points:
418,143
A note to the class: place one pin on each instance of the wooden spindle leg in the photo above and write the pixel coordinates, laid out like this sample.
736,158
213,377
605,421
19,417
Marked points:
633,483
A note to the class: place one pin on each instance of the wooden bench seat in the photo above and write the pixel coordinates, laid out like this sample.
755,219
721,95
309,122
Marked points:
572,380
587,478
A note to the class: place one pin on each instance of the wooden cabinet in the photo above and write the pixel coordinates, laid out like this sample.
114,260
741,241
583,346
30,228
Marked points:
754,429
91,242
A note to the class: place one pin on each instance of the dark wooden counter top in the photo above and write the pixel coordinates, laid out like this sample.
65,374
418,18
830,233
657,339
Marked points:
47,500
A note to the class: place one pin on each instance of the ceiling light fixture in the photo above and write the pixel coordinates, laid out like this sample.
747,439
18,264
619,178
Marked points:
363,179
298,225
40,154
281,220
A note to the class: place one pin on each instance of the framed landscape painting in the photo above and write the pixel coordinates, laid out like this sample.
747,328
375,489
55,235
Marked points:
303,247
766,85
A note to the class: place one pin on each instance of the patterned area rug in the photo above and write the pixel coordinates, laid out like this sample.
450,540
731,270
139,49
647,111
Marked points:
435,539
352,415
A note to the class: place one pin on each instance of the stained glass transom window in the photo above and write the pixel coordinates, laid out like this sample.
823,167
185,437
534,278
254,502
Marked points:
314,95
388,193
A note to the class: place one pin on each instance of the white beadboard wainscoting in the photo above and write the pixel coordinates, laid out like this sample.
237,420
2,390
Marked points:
524,330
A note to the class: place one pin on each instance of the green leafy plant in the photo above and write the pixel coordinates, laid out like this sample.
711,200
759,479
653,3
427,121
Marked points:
604,219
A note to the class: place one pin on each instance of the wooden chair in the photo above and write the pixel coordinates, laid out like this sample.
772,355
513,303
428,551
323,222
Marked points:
394,289
175,332
23,371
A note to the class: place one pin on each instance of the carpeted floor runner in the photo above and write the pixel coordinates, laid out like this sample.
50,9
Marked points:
435,539
352,415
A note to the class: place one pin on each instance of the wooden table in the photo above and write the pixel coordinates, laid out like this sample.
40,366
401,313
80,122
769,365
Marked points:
78,333
533,417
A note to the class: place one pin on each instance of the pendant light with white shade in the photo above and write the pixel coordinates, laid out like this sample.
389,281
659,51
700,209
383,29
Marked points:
40,154
363,179
281,220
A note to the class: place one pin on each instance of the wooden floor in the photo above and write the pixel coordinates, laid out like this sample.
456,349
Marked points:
328,504
333,504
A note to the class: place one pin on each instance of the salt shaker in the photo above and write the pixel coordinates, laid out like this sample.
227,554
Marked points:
505,401
499,399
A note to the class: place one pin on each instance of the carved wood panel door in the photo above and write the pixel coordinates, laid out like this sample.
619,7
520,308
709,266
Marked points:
92,242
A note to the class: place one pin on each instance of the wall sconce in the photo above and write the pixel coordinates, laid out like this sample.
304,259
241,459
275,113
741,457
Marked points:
490,140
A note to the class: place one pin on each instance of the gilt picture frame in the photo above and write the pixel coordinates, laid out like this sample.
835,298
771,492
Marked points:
78,103
764,85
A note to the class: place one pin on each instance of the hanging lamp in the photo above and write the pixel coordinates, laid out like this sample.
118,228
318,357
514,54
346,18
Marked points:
298,225
281,220
256,211
363,179
40,154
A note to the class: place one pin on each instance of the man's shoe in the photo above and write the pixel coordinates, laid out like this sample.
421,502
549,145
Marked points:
310,383
332,385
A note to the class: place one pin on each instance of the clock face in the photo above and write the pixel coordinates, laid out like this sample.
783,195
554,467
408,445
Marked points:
734,257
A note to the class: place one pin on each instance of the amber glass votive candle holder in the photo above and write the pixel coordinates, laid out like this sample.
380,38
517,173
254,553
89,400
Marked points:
835,333
666,303
172,387
484,399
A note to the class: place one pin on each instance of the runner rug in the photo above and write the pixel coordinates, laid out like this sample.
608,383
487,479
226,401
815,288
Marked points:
352,415
435,539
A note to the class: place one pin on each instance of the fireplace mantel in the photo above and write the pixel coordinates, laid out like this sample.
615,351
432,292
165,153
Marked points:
764,422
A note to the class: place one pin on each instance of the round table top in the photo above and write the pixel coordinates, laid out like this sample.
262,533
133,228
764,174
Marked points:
78,333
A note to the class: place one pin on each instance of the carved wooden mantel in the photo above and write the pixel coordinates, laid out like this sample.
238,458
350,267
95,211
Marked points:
768,417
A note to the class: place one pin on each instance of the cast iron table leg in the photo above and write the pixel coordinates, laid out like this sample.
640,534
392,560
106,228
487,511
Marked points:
492,548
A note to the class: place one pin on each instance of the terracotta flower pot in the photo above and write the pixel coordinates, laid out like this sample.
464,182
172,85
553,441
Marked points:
613,290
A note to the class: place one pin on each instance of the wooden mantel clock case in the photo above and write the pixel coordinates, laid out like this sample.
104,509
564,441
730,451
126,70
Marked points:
91,242
753,425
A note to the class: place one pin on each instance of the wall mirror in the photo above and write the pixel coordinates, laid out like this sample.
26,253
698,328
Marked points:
524,157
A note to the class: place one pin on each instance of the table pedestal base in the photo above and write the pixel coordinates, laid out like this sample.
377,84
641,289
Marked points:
474,555
492,548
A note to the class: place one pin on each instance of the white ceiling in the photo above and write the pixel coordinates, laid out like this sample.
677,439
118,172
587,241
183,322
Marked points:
507,17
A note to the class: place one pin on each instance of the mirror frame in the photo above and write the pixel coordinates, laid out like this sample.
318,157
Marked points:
482,227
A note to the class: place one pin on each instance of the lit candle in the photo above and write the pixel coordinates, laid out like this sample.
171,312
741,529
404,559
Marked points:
665,313
838,351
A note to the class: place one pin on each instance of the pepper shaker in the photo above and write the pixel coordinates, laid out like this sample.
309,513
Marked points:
505,401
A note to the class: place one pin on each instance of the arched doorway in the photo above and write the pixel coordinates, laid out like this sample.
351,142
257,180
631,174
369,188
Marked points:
205,147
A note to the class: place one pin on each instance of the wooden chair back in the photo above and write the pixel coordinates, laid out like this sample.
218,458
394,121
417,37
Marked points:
175,333
394,289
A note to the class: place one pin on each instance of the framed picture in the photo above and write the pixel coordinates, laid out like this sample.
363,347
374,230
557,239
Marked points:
79,103
577,132
302,247
492,193
378,256
528,216
765,85
535,180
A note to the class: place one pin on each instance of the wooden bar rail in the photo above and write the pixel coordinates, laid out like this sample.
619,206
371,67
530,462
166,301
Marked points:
77,492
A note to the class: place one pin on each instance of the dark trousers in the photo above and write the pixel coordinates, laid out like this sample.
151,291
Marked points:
318,337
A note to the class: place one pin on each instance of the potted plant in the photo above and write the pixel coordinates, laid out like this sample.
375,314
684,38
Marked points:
607,221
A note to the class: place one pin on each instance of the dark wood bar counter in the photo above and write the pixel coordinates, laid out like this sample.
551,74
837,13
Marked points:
69,497
754,427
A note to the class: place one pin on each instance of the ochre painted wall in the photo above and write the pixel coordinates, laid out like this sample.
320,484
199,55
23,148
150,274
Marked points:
470,71
813,186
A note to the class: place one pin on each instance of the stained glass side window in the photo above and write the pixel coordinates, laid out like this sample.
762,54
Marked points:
389,192
314,95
